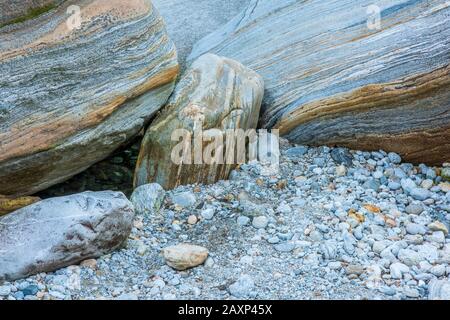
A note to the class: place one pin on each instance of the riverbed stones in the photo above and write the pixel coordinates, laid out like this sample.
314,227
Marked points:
214,95
59,232
352,90
71,94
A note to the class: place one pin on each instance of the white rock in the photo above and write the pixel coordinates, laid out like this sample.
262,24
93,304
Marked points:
260,222
208,214
398,269
184,199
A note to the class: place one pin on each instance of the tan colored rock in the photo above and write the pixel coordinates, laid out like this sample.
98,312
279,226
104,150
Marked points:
438,226
445,186
214,95
9,204
185,256
71,93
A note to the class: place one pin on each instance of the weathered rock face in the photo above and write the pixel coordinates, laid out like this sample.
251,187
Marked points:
59,232
215,94
70,96
190,20
333,77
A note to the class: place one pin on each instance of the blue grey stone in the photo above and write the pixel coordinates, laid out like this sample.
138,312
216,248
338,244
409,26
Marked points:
297,151
394,158
394,185
372,184
420,194
285,247
342,156
31,290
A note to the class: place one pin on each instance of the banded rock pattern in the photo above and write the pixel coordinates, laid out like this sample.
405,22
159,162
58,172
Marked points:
216,93
330,79
60,232
69,97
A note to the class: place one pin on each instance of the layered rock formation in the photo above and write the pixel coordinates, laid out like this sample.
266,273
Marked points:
190,20
336,76
59,232
214,95
69,96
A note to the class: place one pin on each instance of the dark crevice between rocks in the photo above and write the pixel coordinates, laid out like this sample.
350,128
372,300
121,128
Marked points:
114,173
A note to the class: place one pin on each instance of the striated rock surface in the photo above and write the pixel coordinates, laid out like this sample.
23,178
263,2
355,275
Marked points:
70,96
439,290
190,20
59,232
334,76
215,94
8,204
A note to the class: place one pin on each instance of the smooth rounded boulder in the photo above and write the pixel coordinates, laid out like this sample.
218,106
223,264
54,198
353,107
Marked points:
358,74
78,81
60,232
215,94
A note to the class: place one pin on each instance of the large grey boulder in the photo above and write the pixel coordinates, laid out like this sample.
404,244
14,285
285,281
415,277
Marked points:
335,76
70,96
214,95
59,232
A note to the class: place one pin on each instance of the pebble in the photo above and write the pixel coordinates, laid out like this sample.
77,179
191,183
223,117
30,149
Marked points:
208,214
297,151
438,226
420,194
414,228
394,158
409,257
411,292
243,221
414,209
243,287
355,269
5,291
192,219
285,247
260,222
30,290
398,269
148,199
184,199
342,156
